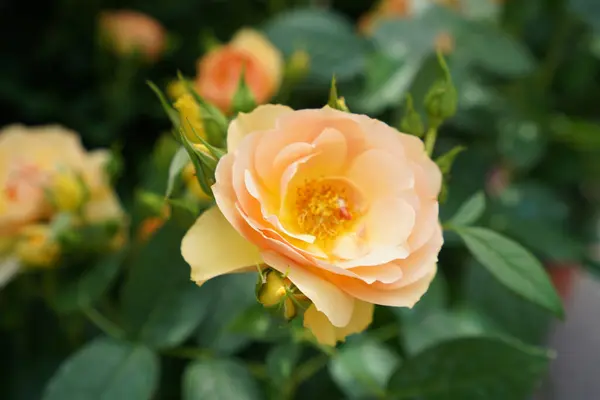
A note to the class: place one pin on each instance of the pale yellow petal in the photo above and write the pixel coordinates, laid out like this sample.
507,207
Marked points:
262,118
329,335
213,247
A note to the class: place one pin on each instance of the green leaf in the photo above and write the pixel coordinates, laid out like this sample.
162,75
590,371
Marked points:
445,161
470,211
363,368
513,266
230,296
588,11
218,380
388,80
215,123
161,305
243,100
440,326
106,369
483,293
329,39
202,165
171,113
91,285
257,322
281,361
471,369
411,122
579,134
488,47
178,163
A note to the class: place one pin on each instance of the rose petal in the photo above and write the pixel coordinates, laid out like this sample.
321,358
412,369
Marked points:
385,273
389,222
261,119
405,296
326,297
329,335
213,247
379,174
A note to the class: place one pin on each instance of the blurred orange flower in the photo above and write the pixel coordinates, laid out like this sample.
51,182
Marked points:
220,70
129,31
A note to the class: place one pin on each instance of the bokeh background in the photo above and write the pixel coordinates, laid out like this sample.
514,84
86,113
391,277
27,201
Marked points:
528,78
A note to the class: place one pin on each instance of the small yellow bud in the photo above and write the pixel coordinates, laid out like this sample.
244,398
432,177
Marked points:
273,290
176,89
189,177
289,309
67,191
298,64
36,248
191,118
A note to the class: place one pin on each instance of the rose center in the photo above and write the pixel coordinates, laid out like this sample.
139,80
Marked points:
325,208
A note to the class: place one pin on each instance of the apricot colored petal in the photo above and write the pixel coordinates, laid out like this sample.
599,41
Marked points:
212,247
385,273
378,173
425,224
261,119
389,221
326,297
405,296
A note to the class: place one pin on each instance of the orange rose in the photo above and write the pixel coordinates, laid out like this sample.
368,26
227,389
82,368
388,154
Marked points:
129,31
343,205
220,70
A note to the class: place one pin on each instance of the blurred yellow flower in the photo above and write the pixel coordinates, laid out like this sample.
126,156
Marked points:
191,118
128,31
36,248
220,70
44,170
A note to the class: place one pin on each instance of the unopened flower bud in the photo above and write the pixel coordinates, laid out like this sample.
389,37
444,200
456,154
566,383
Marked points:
191,118
176,89
67,191
189,177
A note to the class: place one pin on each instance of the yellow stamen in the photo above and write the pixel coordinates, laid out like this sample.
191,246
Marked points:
325,208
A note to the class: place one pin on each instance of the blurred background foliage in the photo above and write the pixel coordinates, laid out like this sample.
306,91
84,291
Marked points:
527,77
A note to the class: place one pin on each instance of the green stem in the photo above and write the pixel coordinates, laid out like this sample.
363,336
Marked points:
103,323
430,138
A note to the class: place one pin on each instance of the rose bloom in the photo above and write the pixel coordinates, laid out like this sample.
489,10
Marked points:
129,31
220,70
39,165
344,205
